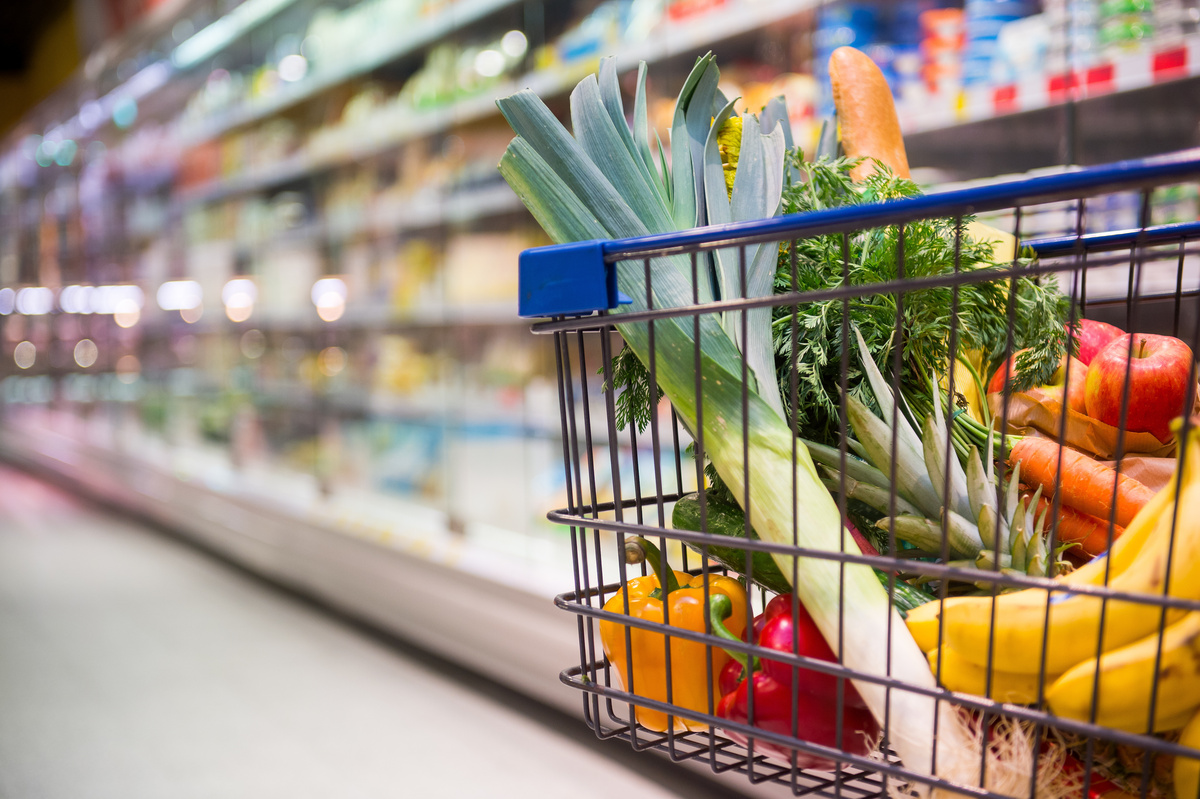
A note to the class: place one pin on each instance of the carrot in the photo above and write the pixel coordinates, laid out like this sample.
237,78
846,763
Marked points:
1075,527
1085,485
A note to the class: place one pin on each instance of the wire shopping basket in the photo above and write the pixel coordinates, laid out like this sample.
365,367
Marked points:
675,676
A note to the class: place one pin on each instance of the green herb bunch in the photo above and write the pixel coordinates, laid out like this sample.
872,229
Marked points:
811,332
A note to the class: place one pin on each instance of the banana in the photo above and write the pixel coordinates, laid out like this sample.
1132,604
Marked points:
1015,637
959,674
1165,721
1127,677
924,622
1187,769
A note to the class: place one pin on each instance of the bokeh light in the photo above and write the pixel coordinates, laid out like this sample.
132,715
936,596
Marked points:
86,353
489,63
127,313
331,361
293,67
25,354
253,344
514,44
329,295
129,368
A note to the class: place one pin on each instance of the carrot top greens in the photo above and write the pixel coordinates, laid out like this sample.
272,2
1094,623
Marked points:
873,256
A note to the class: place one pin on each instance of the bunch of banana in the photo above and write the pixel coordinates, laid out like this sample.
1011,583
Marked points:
932,490
1150,656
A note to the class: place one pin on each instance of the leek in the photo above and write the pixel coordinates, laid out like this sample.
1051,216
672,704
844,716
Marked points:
557,177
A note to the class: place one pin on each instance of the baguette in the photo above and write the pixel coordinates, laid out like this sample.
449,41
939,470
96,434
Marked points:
866,113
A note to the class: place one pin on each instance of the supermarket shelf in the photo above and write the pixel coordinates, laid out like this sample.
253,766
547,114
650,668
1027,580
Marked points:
1126,73
453,208
1135,123
1023,126
437,209
424,32
396,126
243,20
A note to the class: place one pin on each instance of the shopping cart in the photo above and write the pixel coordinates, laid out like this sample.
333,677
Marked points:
621,483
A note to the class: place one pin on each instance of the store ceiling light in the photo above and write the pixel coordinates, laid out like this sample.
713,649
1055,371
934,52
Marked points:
239,295
239,289
76,299
127,313
216,37
179,295
8,301
329,295
35,301
112,300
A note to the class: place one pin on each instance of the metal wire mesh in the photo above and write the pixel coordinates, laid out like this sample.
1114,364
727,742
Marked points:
622,482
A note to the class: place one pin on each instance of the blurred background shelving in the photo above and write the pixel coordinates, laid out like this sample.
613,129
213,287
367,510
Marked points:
261,247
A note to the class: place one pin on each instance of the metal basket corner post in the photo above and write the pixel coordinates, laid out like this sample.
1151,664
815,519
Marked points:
622,480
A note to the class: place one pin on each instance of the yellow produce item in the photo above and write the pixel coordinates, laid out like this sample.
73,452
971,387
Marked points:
1004,244
964,383
1187,769
729,145
1073,634
925,620
1127,678
688,672
960,674
1165,721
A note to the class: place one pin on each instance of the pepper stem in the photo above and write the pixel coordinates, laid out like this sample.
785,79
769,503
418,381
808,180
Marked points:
719,607
639,549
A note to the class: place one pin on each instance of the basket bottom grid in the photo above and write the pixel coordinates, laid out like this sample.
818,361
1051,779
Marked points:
719,752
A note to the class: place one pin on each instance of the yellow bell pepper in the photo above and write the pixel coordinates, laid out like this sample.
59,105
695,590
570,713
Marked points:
687,610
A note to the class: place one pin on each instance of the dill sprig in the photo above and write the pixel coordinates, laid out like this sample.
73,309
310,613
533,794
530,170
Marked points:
874,256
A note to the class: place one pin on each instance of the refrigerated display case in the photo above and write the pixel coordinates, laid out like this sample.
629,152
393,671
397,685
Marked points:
258,270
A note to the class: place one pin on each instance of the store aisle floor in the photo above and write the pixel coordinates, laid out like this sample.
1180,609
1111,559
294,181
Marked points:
132,665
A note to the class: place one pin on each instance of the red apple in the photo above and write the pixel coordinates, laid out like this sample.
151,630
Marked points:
1092,337
1000,377
1159,373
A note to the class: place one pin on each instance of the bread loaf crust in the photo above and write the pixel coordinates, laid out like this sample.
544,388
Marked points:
866,113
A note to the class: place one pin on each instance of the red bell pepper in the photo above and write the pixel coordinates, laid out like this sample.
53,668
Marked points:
814,704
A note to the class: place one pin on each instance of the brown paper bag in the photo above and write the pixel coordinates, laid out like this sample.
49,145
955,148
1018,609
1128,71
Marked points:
1038,412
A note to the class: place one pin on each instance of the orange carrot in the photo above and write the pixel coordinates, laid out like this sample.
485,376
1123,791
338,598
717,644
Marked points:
1085,485
1076,527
